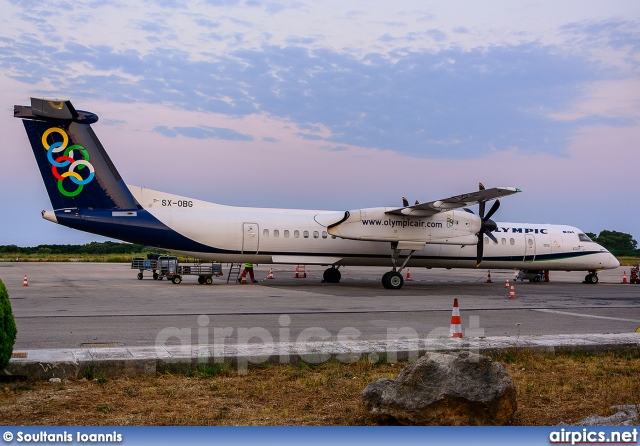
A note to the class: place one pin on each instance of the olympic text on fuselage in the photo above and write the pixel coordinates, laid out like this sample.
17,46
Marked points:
522,230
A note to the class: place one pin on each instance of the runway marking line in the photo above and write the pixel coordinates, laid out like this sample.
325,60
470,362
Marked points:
545,310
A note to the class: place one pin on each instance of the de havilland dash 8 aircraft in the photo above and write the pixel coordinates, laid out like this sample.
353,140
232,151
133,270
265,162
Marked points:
88,194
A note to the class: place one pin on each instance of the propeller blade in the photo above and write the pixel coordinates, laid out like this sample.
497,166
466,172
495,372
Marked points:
492,211
481,207
480,249
487,225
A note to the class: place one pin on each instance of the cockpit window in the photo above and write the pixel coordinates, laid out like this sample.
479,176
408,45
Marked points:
584,238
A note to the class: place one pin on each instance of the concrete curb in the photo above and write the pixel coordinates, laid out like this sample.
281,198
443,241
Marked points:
130,361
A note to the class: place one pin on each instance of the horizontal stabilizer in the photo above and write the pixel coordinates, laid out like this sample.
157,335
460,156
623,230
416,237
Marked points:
53,108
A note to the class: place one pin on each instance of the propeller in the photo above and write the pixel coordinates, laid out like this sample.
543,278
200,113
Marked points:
487,226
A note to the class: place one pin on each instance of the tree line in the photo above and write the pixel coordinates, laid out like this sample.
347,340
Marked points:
89,248
618,243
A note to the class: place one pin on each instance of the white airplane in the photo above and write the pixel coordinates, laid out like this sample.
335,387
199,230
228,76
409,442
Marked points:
88,194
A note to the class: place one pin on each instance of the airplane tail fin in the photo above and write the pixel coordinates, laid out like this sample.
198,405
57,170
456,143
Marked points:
76,170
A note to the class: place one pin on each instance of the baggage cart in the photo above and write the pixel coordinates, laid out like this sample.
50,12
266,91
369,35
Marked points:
169,267
148,264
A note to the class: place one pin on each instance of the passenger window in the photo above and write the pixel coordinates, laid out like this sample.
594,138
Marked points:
504,241
316,234
305,234
296,233
530,242
486,240
276,233
512,241
286,233
265,233
324,234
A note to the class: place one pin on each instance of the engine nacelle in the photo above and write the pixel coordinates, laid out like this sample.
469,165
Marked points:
373,224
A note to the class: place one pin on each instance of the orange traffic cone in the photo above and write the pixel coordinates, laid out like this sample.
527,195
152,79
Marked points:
506,284
489,277
301,272
270,276
408,275
512,293
24,282
243,279
456,329
624,277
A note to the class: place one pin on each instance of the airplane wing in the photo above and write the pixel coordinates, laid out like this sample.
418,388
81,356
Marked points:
455,202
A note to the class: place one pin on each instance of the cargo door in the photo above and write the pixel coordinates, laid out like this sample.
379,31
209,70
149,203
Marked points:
556,244
250,236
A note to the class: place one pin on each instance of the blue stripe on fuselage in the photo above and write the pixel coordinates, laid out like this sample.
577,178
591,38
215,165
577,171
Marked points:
140,227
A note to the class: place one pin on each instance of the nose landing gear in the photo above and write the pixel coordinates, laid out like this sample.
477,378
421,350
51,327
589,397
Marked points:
591,278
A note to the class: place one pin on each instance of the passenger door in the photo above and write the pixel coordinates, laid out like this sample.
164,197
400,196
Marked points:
250,238
530,248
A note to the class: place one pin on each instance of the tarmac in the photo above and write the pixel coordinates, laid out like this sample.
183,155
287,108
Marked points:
99,361
82,320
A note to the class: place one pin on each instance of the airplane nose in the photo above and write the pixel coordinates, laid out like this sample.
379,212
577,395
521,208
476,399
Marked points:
612,262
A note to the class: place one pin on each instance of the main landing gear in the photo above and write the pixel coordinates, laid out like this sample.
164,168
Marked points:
592,277
392,280
331,275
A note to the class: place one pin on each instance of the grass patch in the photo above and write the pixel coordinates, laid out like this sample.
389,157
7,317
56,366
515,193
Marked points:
629,261
551,388
45,257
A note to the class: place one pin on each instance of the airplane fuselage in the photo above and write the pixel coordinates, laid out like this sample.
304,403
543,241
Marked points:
289,236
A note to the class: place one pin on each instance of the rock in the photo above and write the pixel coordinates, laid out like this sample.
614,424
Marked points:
450,389
55,380
624,416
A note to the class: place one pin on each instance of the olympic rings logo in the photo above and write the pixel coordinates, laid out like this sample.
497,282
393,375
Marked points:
66,159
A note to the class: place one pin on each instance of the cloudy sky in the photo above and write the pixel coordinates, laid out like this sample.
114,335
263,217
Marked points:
337,104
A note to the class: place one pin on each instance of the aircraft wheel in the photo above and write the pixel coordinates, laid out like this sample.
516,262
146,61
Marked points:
201,280
385,276
139,276
208,280
392,280
176,280
331,275
593,278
